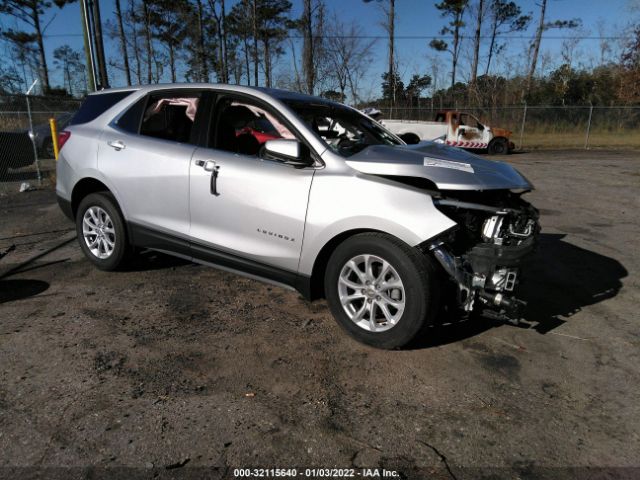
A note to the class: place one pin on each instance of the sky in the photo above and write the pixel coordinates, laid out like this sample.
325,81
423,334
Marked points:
414,18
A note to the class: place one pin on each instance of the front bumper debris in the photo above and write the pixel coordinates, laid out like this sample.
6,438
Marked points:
487,277
484,255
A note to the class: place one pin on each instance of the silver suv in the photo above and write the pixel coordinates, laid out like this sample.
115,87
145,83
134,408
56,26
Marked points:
302,192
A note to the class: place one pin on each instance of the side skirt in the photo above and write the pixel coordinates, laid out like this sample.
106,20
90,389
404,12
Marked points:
149,238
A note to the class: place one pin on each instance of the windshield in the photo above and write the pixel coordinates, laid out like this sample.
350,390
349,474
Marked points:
344,130
467,119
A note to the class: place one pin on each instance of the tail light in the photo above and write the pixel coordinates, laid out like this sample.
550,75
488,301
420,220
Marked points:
63,136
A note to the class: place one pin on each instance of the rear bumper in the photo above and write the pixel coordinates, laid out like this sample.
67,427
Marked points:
65,206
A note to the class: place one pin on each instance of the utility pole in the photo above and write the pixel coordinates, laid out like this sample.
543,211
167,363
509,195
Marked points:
391,26
88,51
255,40
99,44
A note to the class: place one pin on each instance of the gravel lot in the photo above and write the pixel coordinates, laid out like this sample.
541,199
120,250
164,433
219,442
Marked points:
175,370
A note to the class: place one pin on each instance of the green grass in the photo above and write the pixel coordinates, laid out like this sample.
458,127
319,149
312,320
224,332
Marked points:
597,139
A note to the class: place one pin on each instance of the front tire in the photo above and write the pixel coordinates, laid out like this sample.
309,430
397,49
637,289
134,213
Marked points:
101,231
380,290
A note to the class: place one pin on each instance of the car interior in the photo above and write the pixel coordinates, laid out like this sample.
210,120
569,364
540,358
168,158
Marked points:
170,118
233,119
244,128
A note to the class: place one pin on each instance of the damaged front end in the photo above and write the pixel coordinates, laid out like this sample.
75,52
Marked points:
483,254
495,228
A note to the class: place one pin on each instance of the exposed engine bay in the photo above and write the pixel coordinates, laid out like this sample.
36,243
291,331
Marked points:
495,232
495,228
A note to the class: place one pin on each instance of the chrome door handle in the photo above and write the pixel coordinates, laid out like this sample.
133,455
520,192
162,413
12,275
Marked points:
117,144
211,166
208,165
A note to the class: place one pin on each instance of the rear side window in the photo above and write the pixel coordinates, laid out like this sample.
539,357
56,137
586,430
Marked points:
95,105
130,120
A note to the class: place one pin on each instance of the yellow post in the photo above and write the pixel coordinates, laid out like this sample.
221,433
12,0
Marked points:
54,136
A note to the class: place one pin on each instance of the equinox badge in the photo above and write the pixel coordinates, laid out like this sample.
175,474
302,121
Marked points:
277,235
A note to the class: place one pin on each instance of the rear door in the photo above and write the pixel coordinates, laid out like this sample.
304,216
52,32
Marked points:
146,154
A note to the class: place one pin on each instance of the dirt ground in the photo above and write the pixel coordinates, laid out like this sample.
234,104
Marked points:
174,370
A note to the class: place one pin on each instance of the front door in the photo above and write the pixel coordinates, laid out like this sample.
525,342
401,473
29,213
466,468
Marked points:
247,212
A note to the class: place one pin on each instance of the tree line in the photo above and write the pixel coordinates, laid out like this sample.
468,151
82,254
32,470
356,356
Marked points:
476,26
200,41
242,42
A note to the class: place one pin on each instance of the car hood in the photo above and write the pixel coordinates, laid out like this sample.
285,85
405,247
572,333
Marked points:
449,168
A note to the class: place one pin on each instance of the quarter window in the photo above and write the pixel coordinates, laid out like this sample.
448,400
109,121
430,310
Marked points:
96,104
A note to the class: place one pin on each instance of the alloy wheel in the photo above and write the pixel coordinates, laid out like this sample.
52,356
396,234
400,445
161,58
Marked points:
371,293
98,232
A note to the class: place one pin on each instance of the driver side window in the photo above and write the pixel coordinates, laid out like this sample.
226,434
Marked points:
242,126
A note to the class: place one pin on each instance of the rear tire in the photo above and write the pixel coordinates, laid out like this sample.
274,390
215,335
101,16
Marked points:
401,291
101,231
498,146
410,138
47,148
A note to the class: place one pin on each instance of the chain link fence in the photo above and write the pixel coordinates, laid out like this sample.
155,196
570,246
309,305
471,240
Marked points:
26,146
550,126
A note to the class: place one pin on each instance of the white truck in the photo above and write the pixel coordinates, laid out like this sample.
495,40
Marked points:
458,129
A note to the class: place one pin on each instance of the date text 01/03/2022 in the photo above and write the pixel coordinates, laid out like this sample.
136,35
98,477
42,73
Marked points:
314,473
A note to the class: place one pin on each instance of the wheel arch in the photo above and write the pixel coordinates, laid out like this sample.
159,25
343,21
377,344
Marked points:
315,288
85,187
410,137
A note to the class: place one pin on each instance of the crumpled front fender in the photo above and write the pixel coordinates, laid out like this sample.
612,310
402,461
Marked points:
351,201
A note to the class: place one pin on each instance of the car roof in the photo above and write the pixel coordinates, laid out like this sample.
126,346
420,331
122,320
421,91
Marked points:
287,95
282,95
